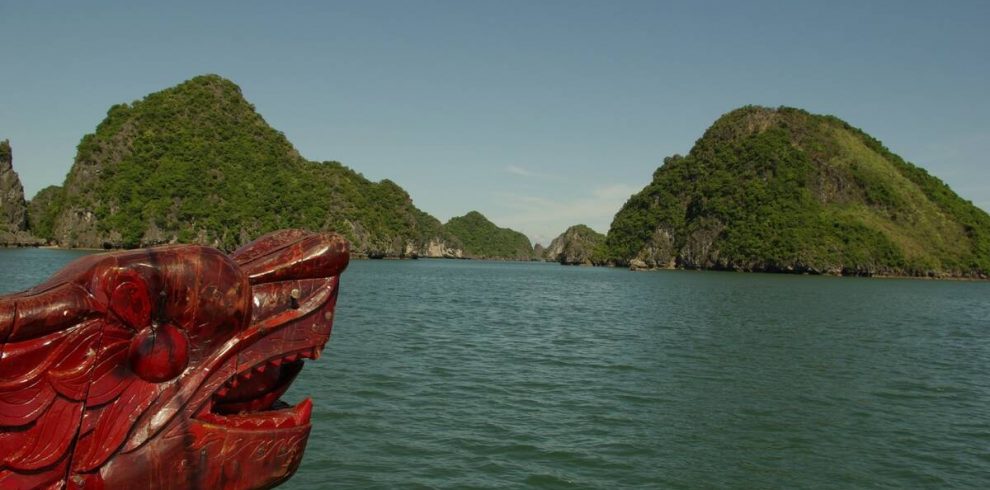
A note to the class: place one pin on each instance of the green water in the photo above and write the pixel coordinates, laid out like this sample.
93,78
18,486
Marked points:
454,374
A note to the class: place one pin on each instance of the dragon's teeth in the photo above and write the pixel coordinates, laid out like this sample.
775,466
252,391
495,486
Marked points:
261,367
276,362
315,354
222,392
292,357
301,415
247,374
234,382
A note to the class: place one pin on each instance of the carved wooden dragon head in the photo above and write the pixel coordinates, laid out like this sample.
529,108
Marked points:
163,367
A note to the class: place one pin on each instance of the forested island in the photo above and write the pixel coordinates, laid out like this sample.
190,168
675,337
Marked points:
196,163
782,190
485,240
772,190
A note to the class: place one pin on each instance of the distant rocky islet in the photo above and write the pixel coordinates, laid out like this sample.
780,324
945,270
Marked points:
578,245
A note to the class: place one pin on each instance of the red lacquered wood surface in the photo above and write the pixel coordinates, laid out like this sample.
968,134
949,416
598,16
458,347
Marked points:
163,367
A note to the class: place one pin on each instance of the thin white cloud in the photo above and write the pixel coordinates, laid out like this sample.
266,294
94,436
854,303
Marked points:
543,218
516,170
525,172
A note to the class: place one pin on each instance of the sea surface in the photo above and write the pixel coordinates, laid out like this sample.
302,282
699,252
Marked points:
469,374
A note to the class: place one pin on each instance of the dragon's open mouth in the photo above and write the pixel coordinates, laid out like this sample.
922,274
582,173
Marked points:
293,279
248,395
252,398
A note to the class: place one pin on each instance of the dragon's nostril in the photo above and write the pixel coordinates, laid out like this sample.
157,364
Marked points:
159,353
294,298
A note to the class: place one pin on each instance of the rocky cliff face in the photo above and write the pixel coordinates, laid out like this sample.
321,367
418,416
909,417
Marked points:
578,245
539,252
13,207
436,248
782,190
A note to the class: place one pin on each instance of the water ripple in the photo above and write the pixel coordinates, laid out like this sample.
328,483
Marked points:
451,374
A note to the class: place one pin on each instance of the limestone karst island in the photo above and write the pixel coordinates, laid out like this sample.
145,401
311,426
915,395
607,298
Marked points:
773,190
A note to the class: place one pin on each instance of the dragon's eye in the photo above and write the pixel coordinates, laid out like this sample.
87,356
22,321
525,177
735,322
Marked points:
159,352
131,302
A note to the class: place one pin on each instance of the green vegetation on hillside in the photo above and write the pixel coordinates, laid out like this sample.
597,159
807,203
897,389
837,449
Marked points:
785,190
483,239
196,163
578,244
43,208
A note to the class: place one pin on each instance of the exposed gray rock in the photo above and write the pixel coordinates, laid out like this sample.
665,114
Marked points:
539,252
438,248
13,207
578,245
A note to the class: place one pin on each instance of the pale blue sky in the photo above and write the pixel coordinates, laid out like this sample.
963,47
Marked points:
538,114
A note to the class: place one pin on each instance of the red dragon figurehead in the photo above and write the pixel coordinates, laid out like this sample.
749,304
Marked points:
163,367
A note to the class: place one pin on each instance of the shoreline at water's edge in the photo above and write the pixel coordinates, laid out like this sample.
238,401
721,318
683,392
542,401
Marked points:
361,256
353,255
85,249
946,277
